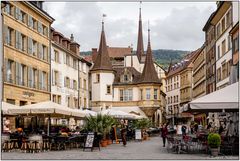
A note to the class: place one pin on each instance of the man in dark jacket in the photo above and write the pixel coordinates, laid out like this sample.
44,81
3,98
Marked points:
164,134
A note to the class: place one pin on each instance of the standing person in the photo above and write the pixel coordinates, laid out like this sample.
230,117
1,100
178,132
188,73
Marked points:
164,134
123,135
230,130
221,129
184,128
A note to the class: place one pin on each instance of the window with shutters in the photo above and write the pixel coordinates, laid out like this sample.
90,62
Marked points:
9,70
30,77
7,9
40,27
34,78
223,24
59,99
30,21
45,53
18,40
22,75
9,36
45,30
24,43
30,46
18,14
35,24
44,80
39,79
40,51
223,47
35,44
141,94
228,18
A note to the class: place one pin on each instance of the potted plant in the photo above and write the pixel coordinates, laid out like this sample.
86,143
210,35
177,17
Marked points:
214,141
142,124
110,121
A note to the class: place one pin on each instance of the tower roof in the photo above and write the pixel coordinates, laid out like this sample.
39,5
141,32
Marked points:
140,49
149,74
102,61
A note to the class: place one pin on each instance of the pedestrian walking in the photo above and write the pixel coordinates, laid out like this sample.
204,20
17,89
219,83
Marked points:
123,134
164,134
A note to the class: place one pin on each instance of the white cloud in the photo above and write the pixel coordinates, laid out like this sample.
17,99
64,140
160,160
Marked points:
173,25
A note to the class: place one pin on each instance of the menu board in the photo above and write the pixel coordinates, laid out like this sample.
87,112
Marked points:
138,134
89,141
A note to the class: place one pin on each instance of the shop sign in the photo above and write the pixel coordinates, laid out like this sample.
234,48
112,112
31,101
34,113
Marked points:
28,94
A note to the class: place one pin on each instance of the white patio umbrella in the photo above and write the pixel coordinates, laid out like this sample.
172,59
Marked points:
6,106
47,107
117,114
89,112
77,113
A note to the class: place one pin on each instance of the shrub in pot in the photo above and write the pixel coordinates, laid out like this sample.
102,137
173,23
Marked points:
214,141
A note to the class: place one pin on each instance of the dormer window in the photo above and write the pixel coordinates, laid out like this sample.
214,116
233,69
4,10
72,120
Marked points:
125,78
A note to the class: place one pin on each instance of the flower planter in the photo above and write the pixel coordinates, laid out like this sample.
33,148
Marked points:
104,143
214,151
109,142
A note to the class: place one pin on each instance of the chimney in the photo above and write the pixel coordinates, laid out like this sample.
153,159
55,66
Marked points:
74,47
72,38
94,54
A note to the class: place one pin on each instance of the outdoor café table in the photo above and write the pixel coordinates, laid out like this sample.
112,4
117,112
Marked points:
179,144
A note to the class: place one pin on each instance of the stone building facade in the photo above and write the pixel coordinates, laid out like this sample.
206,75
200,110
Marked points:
26,51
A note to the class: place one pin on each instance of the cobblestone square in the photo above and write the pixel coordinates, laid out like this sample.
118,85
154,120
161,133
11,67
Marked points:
151,149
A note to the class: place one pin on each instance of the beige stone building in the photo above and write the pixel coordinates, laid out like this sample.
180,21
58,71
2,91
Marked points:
199,74
26,53
186,78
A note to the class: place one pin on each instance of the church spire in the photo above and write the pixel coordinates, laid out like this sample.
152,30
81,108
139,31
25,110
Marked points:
140,49
149,74
102,61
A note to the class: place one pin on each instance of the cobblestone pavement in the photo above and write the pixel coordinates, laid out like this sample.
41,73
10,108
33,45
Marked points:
151,149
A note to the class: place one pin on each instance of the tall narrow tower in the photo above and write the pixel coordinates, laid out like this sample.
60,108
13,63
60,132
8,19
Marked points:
102,75
140,49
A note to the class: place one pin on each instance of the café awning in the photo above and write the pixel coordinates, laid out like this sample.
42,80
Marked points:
225,99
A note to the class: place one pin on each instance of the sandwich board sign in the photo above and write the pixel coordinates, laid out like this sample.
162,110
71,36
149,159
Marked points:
89,141
138,134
